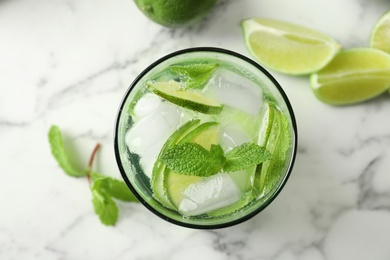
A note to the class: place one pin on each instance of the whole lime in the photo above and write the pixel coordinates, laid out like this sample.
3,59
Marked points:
175,13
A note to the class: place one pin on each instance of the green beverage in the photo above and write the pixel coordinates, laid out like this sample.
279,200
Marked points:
205,138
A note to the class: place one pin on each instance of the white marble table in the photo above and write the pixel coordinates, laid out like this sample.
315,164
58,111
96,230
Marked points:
69,62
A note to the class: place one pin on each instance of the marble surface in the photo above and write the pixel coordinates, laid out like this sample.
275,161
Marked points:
69,62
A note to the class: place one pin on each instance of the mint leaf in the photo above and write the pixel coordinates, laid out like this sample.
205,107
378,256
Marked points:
95,176
192,159
194,75
113,187
245,156
103,205
59,153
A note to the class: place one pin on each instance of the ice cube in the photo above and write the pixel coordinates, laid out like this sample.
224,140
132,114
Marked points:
209,194
148,104
236,91
147,164
232,136
149,133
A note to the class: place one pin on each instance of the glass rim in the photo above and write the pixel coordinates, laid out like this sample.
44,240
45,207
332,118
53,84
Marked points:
294,145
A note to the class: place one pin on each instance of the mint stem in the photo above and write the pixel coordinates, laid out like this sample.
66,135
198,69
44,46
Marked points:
89,170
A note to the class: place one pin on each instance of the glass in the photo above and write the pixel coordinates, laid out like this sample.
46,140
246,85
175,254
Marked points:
247,72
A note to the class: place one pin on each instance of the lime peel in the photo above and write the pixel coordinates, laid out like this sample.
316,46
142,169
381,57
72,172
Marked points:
175,13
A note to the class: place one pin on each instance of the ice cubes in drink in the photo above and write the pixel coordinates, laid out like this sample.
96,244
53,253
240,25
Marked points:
209,194
236,91
154,122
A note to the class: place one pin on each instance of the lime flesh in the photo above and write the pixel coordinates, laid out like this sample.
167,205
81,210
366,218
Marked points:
355,75
380,37
287,47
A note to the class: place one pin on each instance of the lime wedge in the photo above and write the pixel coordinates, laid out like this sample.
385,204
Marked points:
380,36
355,75
173,92
205,134
287,47
159,169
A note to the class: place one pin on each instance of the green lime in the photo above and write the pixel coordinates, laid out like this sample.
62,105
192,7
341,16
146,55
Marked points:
205,134
192,99
354,75
380,37
175,13
288,48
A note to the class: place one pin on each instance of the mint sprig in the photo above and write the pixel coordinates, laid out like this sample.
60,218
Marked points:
194,75
194,160
104,189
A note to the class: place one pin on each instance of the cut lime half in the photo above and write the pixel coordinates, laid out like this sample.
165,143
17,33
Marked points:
380,36
355,75
288,48
173,92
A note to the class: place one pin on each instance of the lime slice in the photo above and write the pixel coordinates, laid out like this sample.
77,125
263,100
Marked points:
205,134
190,99
287,47
266,117
380,37
353,76
278,142
159,169
246,199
